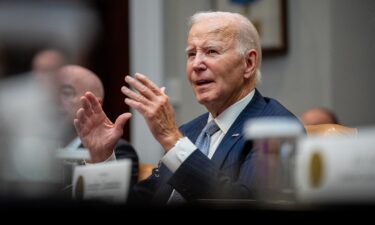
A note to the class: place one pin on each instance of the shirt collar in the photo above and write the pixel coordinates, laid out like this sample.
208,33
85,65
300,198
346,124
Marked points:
227,118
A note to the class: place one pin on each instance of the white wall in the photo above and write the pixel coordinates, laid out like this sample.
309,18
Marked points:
301,78
147,57
353,61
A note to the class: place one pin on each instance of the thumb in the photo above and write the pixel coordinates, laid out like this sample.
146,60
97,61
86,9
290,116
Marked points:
121,121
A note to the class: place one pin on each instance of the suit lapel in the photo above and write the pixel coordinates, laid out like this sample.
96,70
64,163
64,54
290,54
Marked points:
235,132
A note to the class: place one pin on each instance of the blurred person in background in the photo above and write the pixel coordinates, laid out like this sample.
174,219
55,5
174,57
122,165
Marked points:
74,81
47,61
44,65
318,115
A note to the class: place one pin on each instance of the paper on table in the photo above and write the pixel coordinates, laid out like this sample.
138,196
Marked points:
107,181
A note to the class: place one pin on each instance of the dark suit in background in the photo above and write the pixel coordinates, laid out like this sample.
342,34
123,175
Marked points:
229,174
123,150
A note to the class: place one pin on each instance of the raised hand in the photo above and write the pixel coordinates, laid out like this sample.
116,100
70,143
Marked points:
154,105
96,131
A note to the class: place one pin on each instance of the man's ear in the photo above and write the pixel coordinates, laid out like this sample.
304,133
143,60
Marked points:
251,63
100,101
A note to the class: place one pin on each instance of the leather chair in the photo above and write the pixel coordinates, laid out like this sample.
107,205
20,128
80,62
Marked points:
145,170
330,129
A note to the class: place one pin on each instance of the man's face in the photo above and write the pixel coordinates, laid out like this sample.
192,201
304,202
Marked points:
71,88
215,69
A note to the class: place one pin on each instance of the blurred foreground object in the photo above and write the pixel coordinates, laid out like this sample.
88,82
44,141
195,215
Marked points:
29,138
331,165
275,141
336,169
27,27
47,62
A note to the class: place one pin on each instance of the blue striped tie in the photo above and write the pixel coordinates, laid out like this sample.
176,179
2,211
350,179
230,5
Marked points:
204,139
203,144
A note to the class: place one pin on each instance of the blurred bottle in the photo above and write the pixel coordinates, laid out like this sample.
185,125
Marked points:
274,140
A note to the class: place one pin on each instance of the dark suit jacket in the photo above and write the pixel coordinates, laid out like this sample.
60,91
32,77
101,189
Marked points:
229,174
123,150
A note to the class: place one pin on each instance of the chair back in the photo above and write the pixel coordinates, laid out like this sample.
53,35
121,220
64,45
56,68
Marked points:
330,129
145,170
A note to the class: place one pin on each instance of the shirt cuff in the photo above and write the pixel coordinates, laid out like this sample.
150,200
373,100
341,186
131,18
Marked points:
112,157
178,154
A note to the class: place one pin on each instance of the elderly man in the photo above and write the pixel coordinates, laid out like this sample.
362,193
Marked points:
73,81
205,158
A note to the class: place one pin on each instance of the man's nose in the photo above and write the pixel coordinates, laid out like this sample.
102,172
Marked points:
199,62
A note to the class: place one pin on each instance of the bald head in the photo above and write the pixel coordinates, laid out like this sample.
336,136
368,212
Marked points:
81,79
73,82
317,116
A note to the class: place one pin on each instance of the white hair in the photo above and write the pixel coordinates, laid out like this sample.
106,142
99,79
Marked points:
247,36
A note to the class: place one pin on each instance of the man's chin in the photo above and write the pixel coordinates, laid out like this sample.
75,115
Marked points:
204,100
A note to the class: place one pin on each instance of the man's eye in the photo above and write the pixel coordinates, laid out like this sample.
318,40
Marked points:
212,52
191,54
67,94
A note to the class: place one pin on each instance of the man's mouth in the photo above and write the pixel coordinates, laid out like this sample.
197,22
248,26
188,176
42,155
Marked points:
203,82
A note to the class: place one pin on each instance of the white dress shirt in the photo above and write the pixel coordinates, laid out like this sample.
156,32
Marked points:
184,147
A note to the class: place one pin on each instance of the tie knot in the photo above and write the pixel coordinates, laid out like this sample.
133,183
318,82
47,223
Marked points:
211,128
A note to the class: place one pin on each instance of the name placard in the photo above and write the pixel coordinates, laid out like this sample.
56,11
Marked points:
336,169
107,181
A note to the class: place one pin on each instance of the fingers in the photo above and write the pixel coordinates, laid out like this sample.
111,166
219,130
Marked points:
82,122
150,98
142,89
90,106
86,105
136,97
93,102
148,83
77,125
81,116
121,121
80,127
144,86
136,105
